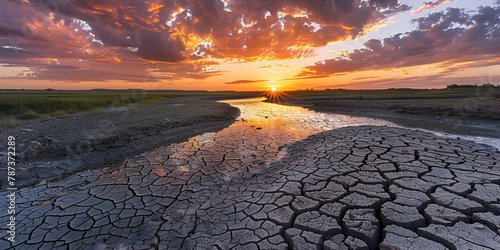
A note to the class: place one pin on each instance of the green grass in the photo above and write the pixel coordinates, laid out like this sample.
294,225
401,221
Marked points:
31,104
45,117
28,115
10,123
150,100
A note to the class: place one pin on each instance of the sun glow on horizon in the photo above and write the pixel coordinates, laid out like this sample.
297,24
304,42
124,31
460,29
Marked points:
274,96
285,46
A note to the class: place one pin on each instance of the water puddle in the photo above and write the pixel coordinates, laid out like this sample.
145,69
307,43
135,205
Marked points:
494,142
259,137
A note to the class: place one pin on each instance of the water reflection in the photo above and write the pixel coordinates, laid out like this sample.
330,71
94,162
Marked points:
258,137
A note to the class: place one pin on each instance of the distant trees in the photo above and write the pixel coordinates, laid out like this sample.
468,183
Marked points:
462,86
451,86
312,90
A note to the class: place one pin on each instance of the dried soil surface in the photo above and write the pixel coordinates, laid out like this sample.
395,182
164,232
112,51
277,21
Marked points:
62,145
351,188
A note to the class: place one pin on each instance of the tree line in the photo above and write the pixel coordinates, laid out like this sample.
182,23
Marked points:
461,86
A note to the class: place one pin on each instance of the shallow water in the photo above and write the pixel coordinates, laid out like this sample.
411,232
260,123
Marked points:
272,126
306,122
260,135
494,142
257,138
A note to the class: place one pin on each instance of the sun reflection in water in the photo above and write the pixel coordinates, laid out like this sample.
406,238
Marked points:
258,137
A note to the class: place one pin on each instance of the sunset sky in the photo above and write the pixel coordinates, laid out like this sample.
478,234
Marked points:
248,44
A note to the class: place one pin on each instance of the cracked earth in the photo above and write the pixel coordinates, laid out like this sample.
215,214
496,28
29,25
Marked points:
279,178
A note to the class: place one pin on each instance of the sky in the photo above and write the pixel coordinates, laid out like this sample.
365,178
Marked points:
248,45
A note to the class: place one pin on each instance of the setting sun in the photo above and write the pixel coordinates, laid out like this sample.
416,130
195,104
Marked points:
273,89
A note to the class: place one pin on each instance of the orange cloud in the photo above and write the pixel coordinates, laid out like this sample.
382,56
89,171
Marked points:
430,5
184,37
438,42
245,81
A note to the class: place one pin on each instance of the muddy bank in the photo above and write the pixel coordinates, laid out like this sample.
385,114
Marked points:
58,146
475,116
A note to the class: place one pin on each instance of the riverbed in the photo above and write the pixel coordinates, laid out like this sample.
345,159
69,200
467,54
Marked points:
303,122
242,187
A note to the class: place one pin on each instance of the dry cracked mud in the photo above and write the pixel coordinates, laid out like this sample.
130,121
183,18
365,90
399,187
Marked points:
363,187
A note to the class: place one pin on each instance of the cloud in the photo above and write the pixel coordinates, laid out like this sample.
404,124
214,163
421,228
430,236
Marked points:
385,3
430,5
117,34
245,81
15,53
306,77
363,78
160,47
444,39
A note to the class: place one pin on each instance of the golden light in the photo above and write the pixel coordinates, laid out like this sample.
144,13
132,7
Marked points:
274,96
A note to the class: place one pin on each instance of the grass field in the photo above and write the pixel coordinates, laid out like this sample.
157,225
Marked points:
393,92
32,104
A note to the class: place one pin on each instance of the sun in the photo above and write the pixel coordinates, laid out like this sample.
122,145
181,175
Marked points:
274,95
